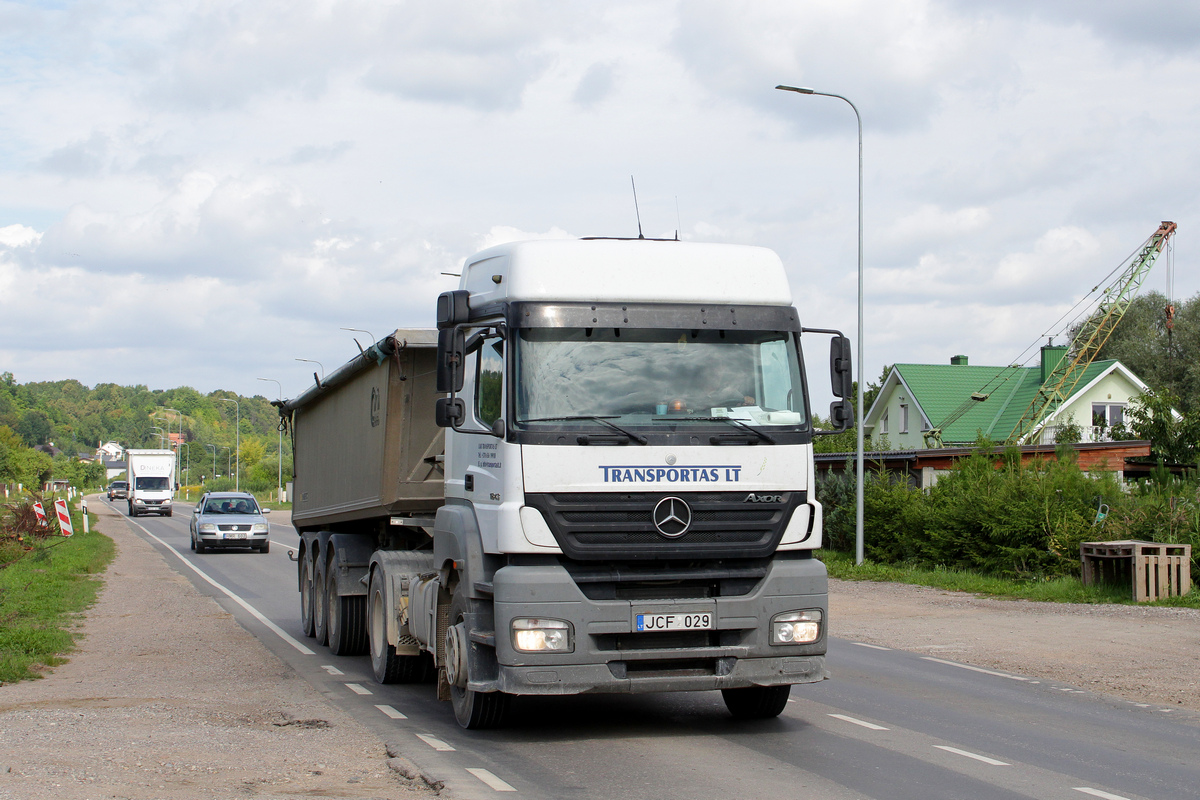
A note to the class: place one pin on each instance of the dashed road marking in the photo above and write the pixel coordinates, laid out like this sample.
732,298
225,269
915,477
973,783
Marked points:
975,756
1098,793
358,688
974,669
434,742
491,780
331,669
872,646
863,723
391,712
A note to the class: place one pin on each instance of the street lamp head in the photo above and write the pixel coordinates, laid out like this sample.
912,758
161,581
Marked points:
797,89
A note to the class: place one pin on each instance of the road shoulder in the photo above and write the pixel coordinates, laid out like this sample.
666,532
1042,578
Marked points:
169,697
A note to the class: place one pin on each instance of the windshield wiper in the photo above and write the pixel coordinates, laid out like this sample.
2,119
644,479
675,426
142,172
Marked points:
731,421
594,418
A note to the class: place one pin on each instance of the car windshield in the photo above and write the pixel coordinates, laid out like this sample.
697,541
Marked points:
230,505
151,483
657,377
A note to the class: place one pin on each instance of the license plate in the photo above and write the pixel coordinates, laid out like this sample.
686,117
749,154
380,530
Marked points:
675,621
235,535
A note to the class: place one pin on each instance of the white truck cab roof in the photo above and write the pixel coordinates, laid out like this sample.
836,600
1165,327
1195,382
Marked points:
626,270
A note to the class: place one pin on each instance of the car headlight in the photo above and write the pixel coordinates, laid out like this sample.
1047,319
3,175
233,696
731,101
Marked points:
260,527
535,635
208,527
796,627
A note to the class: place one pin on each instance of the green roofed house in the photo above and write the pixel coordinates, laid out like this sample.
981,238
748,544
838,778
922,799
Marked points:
922,404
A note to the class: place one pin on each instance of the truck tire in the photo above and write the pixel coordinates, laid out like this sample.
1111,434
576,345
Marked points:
756,702
473,710
347,623
306,595
387,666
321,603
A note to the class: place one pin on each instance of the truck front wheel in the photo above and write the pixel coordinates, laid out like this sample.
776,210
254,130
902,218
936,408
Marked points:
387,666
756,702
473,710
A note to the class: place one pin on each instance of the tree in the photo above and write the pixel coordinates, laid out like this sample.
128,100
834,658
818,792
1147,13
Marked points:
1173,439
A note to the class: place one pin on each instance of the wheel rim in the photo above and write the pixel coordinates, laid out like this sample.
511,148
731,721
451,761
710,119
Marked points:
378,638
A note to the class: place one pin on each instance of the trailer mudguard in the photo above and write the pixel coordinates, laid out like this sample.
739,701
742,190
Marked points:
350,555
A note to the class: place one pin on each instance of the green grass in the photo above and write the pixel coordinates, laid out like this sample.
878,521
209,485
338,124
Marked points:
41,594
1052,590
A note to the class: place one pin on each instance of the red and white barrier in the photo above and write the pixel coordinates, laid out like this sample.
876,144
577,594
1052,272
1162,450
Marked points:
41,513
64,517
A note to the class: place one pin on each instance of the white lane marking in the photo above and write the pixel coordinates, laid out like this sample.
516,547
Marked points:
434,742
1098,793
280,632
975,756
391,712
491,780
331,669
974,669
872,646
863,723
358,688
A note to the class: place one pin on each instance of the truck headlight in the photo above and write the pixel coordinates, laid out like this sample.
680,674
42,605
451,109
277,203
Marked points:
208,527
259,527
796,627
535,635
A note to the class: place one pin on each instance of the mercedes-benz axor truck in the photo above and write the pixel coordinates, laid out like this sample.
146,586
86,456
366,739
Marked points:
596,475
151,481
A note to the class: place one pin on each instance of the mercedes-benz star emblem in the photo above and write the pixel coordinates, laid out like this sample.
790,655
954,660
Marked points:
672,517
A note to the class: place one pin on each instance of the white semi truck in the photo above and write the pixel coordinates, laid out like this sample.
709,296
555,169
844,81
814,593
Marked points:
596,475
151,481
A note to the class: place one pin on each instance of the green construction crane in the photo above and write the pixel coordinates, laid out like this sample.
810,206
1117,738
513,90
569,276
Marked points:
1092,335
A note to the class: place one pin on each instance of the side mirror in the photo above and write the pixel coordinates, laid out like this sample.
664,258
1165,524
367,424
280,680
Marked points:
840,370
841,414
452,308
266,511
450,354
448,412
196,511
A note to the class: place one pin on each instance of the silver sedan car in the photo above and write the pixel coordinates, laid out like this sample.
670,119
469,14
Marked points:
230,519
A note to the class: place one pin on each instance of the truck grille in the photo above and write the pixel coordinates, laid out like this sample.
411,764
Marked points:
608,526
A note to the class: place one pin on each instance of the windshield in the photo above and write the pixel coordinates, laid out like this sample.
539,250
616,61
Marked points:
231,505
657,377
151,483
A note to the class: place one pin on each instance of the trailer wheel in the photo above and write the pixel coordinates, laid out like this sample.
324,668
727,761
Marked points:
306,595
347,623
321,603
756,702
387,666
473,710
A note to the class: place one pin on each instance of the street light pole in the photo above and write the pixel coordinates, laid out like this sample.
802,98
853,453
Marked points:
319,364
178,445
237,441
858,493
279,480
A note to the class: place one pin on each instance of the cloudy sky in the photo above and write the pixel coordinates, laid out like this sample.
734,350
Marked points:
199,193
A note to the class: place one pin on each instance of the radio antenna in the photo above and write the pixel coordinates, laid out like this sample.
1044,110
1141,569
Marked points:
678,223
636,210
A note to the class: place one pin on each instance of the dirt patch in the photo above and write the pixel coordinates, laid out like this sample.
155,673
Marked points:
169,697
1139,653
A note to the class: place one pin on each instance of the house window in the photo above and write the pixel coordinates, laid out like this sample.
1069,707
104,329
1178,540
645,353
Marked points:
883,423
904,418
1107,415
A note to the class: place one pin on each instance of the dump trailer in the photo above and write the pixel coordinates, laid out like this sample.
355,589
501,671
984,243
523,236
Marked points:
595,475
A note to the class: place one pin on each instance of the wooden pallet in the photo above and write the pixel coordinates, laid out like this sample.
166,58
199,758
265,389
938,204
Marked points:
1152,569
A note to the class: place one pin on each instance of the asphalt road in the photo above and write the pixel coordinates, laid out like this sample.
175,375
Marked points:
890,724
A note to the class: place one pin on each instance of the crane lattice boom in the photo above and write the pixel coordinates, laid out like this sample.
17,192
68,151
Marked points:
1092,335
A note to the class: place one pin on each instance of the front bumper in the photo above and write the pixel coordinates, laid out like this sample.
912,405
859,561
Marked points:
609,656
217,540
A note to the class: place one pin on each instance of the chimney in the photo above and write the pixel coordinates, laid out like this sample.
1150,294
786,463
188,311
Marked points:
1052,356
958,361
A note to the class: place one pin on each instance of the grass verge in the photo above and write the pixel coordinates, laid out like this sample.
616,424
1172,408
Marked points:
41,594
1054,590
